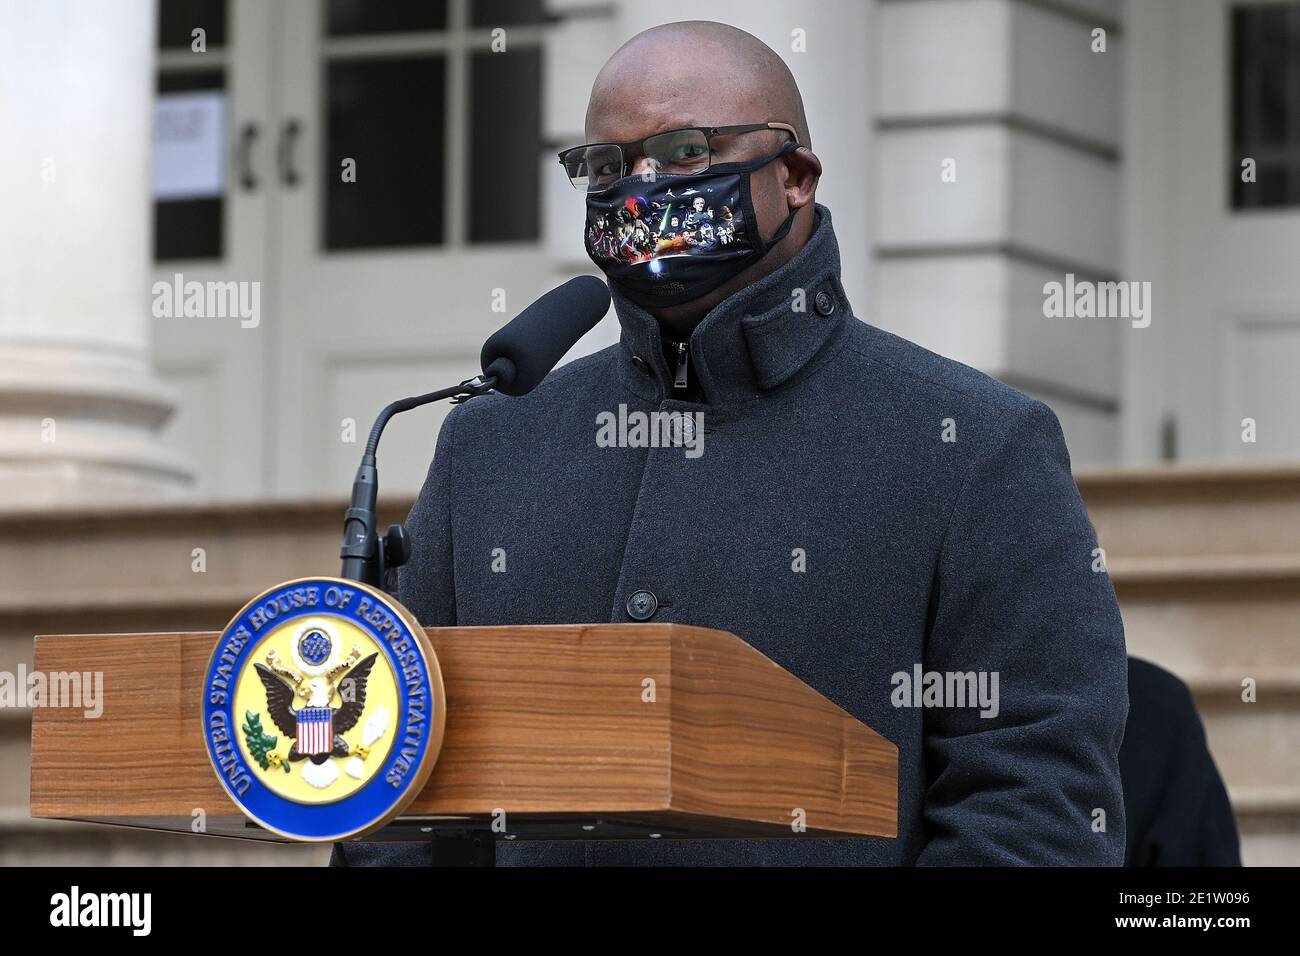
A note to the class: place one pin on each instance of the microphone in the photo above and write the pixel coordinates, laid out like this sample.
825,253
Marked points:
521,353
514,360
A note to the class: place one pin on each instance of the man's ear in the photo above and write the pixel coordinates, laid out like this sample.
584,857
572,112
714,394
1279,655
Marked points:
803,170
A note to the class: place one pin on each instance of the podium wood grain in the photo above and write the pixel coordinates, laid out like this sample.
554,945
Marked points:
553,724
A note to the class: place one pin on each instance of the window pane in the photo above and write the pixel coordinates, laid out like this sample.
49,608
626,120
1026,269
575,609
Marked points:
190,228
388,116
495,13
346,17
177,19
1266,104
505,143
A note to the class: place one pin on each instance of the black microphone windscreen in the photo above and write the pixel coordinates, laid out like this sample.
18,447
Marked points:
538,337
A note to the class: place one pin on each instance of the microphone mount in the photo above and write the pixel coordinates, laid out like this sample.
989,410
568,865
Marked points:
366,556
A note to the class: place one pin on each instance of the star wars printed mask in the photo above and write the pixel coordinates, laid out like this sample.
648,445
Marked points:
669,238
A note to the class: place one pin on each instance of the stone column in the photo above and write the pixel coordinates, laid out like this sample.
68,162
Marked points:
80,407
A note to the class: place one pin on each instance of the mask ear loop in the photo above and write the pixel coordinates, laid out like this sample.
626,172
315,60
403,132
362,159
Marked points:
781,232
784,229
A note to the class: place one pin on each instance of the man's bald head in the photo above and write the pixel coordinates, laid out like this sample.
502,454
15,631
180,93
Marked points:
705,74
711,73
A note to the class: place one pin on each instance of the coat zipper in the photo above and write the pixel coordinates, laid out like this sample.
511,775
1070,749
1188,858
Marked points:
682,364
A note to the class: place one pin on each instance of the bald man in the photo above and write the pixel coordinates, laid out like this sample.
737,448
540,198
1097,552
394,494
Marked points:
897,530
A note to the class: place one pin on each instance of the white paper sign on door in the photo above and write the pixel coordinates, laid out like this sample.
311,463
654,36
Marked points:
189,145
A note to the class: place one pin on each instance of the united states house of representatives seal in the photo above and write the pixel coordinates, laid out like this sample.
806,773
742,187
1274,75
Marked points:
323,709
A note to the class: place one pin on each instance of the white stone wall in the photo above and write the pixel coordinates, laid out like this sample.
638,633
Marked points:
1010,95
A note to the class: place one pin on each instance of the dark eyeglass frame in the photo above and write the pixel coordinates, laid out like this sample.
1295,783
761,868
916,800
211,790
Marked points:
639,144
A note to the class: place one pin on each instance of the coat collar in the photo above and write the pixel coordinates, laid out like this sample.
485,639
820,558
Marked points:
753,341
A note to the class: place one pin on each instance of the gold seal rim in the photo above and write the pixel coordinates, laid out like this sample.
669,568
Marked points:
439,723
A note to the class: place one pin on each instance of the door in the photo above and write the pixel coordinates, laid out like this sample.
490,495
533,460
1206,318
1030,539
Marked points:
408,224
1215,84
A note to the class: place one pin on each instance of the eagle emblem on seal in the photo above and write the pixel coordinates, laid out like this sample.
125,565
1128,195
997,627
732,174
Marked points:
316,725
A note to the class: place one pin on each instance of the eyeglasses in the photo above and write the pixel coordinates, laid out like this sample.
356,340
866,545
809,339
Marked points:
594,167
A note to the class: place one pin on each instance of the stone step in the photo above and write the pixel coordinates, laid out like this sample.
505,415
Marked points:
1214,570
82,561
1214,620
1255,748
1269,840
27,842
1190,511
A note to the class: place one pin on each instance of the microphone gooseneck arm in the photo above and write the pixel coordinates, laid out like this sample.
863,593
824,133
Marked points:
514,361
365,555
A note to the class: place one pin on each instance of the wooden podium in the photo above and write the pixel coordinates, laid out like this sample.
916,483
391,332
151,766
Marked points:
600,731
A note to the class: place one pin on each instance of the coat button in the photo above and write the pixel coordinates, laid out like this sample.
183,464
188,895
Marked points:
824,303
642,605
641,364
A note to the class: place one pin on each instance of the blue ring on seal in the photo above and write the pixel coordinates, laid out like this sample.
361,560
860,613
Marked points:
328,821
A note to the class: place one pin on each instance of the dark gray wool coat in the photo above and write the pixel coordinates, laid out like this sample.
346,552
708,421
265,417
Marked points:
827,435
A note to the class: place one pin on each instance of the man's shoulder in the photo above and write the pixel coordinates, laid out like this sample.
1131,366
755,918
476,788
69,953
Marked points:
897,366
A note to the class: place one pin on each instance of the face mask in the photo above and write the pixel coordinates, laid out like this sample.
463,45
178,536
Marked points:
674,237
